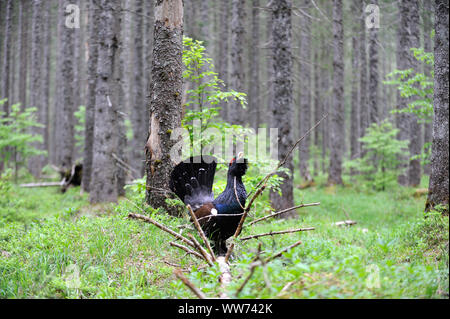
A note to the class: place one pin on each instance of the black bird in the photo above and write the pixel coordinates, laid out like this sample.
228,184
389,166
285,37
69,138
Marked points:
192,181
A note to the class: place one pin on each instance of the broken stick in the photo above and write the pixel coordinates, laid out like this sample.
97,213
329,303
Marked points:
282,212
278,233
189,284
201,233
162,227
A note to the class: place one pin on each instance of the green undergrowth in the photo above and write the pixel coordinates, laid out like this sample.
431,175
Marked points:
56,245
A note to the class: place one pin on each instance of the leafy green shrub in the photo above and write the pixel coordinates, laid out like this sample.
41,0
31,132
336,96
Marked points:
420,88
380,164
16,141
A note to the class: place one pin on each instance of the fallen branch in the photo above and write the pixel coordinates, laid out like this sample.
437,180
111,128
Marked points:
282,251
225,275
282,212
186,250
189,284
345,222
201,233
162,227
44,184
278,233
201,249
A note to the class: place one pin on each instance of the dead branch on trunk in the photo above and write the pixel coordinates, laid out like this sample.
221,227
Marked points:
282,212
201,233
271,233
189,284
189,251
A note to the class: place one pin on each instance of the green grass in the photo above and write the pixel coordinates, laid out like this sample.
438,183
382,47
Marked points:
48,238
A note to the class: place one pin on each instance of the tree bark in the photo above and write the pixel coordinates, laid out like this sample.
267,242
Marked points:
23,51
254,92
364,108
355,110
165,102
94,12
403,120
138,109
103,186
337,134
374,112
67,107
318,111
415,145
427,13
438,193
6,57
305,89
235,113
46,41
34,163
223,51
281,106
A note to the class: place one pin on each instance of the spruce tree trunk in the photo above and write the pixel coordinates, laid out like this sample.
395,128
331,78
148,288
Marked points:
427,13
93,21
403,120
254,92
103,185
317,108
6,57
23,51
438,193
235,113
282,96
34,163
138,107
374,112
165,102
354,113
415,145
337,133
47,41
363,105
305,90
67,107
223,51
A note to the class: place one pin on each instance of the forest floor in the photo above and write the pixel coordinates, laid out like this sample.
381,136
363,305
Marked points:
55,245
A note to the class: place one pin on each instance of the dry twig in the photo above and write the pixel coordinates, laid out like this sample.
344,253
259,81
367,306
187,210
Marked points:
189,284
282,212
201,249
201,233
282,251
189,251
278,233
162,227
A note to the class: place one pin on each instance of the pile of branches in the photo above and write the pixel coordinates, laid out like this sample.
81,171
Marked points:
204,252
